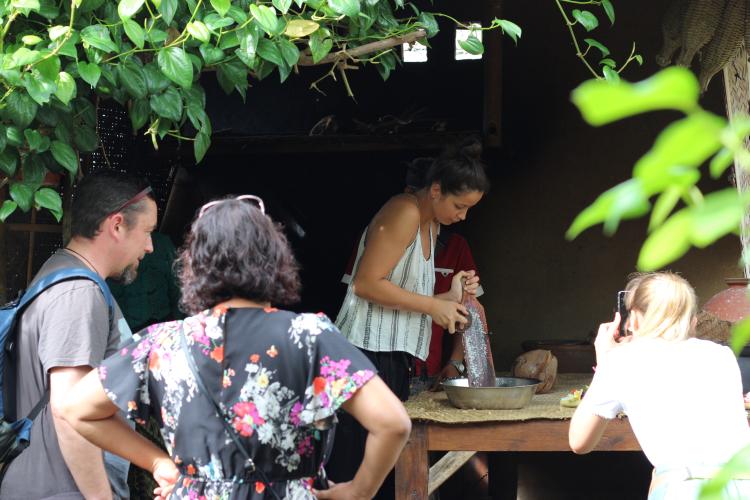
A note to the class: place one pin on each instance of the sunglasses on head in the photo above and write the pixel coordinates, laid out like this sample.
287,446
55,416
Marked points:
244,197
135,199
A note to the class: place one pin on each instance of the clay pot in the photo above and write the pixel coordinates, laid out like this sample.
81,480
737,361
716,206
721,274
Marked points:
731,304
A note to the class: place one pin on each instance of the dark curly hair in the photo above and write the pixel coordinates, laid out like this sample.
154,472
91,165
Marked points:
459,169
235,250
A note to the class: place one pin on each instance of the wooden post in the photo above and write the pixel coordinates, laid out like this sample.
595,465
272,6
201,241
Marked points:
737,91
492,63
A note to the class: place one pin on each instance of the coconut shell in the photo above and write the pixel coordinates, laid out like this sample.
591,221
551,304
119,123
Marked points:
540,364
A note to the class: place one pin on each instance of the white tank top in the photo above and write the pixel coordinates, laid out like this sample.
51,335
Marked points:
376,328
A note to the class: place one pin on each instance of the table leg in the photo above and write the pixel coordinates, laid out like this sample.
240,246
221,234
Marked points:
503,475
413,466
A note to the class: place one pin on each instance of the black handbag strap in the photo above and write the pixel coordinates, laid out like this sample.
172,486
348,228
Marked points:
250,467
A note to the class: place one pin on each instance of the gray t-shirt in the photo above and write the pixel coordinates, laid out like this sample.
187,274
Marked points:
66,326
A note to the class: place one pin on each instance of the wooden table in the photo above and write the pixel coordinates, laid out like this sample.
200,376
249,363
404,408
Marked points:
413,466
412,469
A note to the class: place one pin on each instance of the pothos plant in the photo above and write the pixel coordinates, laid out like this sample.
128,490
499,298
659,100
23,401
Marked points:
58,58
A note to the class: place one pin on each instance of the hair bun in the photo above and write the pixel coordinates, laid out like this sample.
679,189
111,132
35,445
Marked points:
471,148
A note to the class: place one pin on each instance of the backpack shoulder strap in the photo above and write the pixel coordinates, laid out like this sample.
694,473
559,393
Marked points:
56,277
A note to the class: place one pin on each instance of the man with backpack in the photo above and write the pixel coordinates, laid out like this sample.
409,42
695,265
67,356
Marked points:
65,332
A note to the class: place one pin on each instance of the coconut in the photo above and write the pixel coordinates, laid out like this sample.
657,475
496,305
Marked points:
539,364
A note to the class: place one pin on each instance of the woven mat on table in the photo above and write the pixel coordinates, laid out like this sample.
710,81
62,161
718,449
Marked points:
435,407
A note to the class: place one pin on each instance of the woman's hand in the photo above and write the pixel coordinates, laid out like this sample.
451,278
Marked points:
447,313
344,491
607,338
448,371
463,281
165,474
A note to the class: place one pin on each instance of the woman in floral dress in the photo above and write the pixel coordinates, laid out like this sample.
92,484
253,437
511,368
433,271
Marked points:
278,377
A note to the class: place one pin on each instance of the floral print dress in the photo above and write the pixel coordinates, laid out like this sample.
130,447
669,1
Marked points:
279,377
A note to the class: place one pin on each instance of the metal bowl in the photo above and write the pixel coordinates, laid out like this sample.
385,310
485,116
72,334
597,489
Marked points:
509,393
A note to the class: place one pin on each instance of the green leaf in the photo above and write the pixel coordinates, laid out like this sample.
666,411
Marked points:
139,113
234,73
720,162
511,29
98,36
609,10
25,4
175,64
627,200
319,46
639,59
586,18
667,243
298,28
21,57
270,51
14,136
740,337
289,51
608,62
201,144
8,162
214,22
19,108
239,15
664,206
85,139
90,73
64,156
168,104
58,31
199,31
39,88
211,55
715,488
610,74
68,48
349,8
472,45
265,16
167,9
3,140
49,67
34,171
30,39
718,215
602,102
22,194
33,139
128,8
7,209
429,23
593,43
133,80
221,6
49,199
685,143
134,32
282,5
155,80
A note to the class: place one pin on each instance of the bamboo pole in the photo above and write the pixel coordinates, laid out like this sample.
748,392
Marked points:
737,94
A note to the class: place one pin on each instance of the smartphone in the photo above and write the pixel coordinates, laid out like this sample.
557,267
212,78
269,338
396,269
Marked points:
621,330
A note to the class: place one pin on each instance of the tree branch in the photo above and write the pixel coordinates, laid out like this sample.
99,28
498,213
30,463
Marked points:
368,48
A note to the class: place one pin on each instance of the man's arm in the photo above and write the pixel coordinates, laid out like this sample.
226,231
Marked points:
83,459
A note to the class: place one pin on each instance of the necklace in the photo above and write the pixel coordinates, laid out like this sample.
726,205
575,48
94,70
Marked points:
87,261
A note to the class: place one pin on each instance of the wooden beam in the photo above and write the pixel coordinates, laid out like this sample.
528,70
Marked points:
33,228
737,96
492,66
445,467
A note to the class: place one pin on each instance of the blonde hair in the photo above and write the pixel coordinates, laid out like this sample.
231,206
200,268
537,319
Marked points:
667,303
